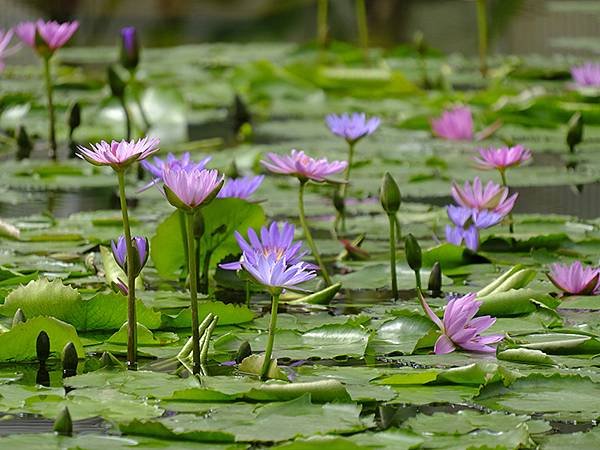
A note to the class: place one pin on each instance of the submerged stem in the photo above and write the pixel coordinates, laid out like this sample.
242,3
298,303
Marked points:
131,313
511,226
51,121
193,293
308,235
272,328
344,187
392,221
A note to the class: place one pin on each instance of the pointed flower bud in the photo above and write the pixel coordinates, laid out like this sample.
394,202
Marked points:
130,48
140,253
69,359
338,202
24,144
435,279
63,424
74,116
42,347
575,131
413,253
116,83
389,194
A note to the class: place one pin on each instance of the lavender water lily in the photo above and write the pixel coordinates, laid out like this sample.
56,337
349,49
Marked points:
120,156
351,127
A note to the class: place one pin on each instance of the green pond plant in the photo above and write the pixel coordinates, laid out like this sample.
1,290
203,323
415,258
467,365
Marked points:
390,198
120,156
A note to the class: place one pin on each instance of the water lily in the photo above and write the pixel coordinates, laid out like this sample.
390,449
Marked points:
492,197
130,48
575,279
273,261
158,166
188,190
141,253
352,128
458,235
119,154
502,158
460,328
45,38
586,75
242,187
455,124
5,37
305,168
302,166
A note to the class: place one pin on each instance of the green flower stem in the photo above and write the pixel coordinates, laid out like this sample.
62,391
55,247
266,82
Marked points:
322,22
418,280
131,313
138,102
308,235
272,328
344,187
205,272
511,225
483,36
184,238
127,117
51,121
193,294
363,30
247,293
392,221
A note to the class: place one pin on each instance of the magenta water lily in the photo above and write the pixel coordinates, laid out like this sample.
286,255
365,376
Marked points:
586,75
454,125
158,166
45,38
502,158
575,278
477,196
460,328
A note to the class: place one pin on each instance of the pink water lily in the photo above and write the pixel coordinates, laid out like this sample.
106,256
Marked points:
586,75
502,158
491,197
460,327
53,34
455,124
189,189
119,154
575,279
298,164
5,38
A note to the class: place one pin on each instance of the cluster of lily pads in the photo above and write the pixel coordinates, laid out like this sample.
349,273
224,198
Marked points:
219,229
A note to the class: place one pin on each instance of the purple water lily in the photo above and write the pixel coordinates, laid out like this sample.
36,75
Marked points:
119,154
172,162
276,239
352,127
460,327
241,187
53,34
575,279
140,247
455,124
273,272
467,223
300,165
130,48
586,75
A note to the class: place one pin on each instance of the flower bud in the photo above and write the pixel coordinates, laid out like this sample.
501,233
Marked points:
412,250
140,253
198,224
69,360
338,202
130,48
575,131
63,424
24,144
42,347
389,194
19,317
435,280
74,117
244,351
116,83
